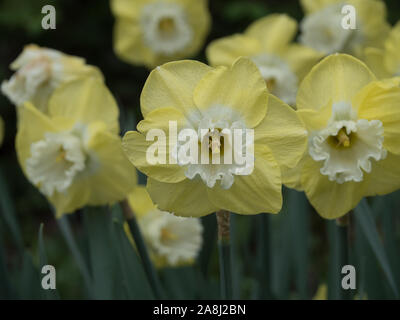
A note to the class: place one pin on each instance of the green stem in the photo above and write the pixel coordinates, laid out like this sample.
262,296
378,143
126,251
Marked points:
343,241
141,247
262,221
224,246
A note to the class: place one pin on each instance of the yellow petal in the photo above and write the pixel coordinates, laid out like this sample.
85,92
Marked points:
329,198
127,8
199,19
316,119
225,51
337,78
283,132
385,176
136,147
392,54
114,177
187,198
240,87
274,31
291,177
74,198
172,85
255,193
85,100
32,125
371,14
301,59
310,6
380,101
140,201
374,58
161,118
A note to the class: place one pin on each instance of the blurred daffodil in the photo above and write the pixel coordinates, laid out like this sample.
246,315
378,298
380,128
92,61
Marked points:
211,100
354,128
171,240
268,43
385,62
152,32
73,154
322,28
39,71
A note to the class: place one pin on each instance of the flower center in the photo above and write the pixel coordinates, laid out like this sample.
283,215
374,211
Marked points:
347,145
165,27
55,161
222,140
167,235
278,76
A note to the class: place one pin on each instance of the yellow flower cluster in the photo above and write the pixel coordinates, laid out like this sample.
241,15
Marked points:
327,126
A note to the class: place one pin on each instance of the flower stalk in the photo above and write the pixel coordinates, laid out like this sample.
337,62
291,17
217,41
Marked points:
224,248
343,224
141,247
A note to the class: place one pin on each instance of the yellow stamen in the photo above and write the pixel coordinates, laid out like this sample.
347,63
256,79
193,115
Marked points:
271,82
167,235
166,25
343,138
215,143
61,156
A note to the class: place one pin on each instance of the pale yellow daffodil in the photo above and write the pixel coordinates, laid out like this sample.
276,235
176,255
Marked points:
268,42
152,32
171,240
73,154
39,71
353,122
322,27
202,98
385,62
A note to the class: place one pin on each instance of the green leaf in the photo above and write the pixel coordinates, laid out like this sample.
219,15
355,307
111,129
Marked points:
50,294
9,214
365,219
298,210
335,261
97,222
6,289
66,231
133,278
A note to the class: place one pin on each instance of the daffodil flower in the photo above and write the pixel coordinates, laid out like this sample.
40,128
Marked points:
171,240
268,43
152,32
385,62
199,97
73,155
353,122
39,71
322,28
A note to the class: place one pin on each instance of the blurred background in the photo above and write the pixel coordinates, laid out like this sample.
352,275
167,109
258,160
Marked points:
301,245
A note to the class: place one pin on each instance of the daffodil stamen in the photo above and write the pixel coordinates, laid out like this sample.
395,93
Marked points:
343,139
167,235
